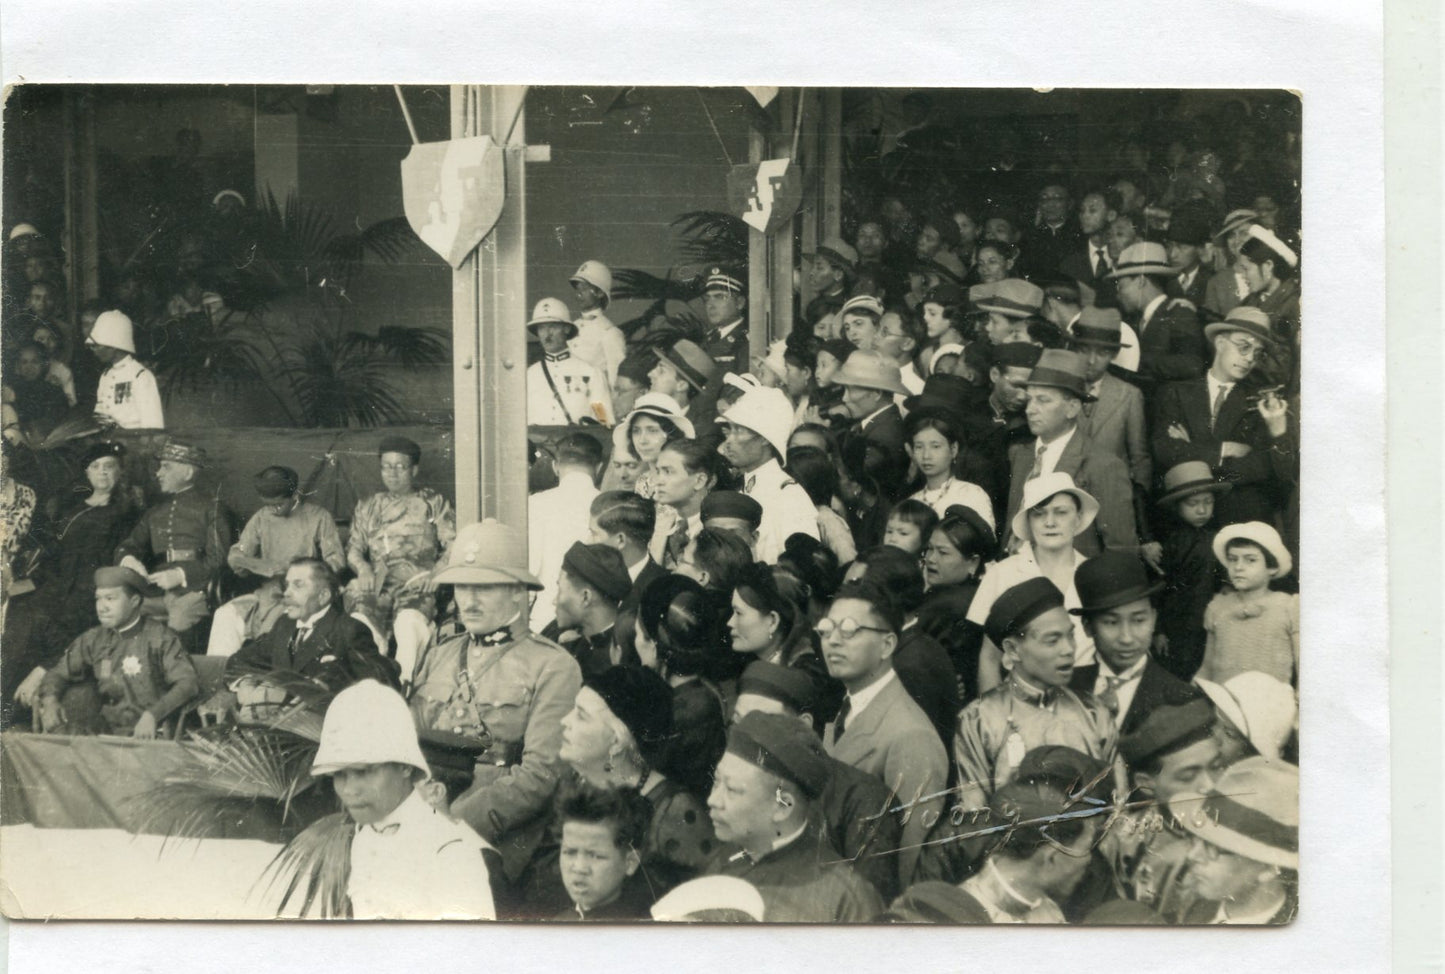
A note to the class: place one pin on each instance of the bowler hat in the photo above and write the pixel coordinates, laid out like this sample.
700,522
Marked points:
784,747
838,253
1252,812
869,370
551,311
1261,534
178,451
1145,257
1020,605
1012,297
1041,488
599,566
1098,326
1190,477
487,553
696,366
1111,579
640,699
1189,225
1060,368
1245,318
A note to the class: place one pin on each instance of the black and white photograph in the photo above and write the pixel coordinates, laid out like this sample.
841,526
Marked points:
636,505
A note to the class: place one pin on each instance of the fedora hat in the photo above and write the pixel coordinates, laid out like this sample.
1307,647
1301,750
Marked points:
1189,225
1253,812
1040,489
1234,220
1012,297
1060,368
1249,320
1190,477
1142,258
767,413
838,253
696,367
487,553
1259,533
1099,326
870,370
947,266
1111,579
551,311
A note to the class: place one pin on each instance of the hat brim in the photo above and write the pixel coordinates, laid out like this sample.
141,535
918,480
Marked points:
1122,597
1007,310
1184,807
1194,487
689,374
1231,533
1049,383
844,378
485,575
532,326
1135,270
1088,509
1222,327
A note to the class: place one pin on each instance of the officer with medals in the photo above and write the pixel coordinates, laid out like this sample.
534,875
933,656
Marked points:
498,680
563,390
757,428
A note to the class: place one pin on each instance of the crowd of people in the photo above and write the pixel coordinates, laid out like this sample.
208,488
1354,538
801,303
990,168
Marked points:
971,600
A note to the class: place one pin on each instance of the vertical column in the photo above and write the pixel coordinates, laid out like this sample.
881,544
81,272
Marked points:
758,284
831,125
780,284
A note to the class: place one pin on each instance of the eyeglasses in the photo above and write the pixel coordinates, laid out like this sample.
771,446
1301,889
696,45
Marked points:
1249,351
847,628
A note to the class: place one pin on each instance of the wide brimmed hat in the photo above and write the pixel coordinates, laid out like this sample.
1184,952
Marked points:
1102,327
1041,488
487,553
1253,812
712,899
767,413
1012,298
1234,220
948,348
837,252
1261,534
658,404
1267,237
113,329
869,370
1250,320
1261,707
948,266
1142,258
178,451
1111,579
1060,368
696,366
1190,477
551,311
367,723
596,273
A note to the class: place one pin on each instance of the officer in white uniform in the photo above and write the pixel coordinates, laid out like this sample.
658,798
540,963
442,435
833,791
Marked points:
757,428
562,390
599,342
127,395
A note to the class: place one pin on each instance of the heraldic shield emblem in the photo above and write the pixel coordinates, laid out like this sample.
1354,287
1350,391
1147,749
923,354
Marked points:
765,194
453,192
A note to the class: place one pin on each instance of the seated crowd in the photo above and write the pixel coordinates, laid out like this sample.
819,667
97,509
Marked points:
973,599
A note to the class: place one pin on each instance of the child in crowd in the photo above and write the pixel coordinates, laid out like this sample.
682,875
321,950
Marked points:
1252,627
1190,571
603,830
909,524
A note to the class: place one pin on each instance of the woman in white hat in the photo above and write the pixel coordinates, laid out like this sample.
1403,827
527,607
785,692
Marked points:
655,421
1052,513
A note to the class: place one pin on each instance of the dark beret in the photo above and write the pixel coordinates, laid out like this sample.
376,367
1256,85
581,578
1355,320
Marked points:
97,451
1020,605
116,577
1168,729
640,699
789,686
1067,768
732,503
784,747
601,567
399,444
1023,355
275,483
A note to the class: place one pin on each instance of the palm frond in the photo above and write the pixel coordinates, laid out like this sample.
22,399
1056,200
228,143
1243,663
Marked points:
388,240
317,862
712,237
408,347
630,283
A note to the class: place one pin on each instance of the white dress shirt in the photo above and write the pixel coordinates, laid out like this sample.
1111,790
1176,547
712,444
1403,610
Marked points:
787,509
556,520
1125,691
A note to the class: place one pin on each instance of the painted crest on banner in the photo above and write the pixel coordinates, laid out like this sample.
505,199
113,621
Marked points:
765,194
453,193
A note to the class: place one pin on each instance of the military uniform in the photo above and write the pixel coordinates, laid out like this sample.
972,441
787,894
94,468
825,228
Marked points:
190,531
577,390
402,536
787,509
599,343
1000,727
140,668
728,347
127,394
517,687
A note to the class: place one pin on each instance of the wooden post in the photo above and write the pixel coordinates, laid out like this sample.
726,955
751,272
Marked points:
780,277
831,125
489,310
808,160
758,284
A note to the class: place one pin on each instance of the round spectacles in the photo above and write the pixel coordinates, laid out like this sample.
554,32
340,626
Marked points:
847,628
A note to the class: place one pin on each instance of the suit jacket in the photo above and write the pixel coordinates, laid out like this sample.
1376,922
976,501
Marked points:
1261,480
1198,288
1095,471
1157,688
1171,345
650,573
1116,425
339,651
893,739
1079,265
885,429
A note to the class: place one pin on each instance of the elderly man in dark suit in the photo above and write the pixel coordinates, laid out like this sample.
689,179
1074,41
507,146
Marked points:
314,638
1169,344
1057,396
870,382
1116,603
1225,419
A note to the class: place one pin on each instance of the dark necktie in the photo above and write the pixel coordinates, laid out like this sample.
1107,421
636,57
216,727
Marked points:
840,723
1038,468
1219,398
1110,696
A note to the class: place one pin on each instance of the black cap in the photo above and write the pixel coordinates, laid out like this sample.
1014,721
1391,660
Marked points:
1168,729
97,451
601,567
789,686
732,503
276,483
1024,355
641,699
1020,605
399,444
784,747
1190,224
